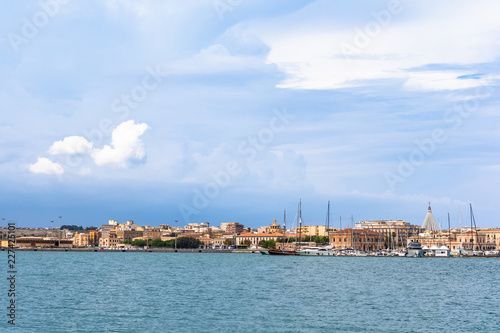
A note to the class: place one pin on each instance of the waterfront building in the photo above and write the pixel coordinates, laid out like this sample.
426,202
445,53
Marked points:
476,240
111,241
256,238
42,242
359,239
492,236
93,237
81,239
397,231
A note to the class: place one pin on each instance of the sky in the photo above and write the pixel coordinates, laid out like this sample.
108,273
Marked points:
234,110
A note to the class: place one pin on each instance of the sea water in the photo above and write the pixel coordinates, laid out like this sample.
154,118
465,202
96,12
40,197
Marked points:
205,292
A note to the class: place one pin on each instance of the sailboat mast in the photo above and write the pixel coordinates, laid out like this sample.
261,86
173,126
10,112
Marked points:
475,228
449,232
300,220
471,230
352,233
461,229
297,227
284,230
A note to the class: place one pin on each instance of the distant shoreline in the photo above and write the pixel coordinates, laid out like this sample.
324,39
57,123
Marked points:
169,250
132,251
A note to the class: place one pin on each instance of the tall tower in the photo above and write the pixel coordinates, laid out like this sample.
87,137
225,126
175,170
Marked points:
429,222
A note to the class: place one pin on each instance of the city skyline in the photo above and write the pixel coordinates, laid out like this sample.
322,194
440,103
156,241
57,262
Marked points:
227,111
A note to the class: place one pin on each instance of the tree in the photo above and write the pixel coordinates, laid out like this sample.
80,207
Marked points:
184,243
247,242
228,241
157,243
139,243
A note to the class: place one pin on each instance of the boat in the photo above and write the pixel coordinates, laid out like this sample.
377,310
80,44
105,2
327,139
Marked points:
317,251
281,252
415,250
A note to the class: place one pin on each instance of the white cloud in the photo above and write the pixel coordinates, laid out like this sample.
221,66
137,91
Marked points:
126,146
71,145
46,166
333,55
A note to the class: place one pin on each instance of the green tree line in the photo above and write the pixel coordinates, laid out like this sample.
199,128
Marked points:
182,243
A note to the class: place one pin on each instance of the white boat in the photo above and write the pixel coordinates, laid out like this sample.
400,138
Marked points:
317,251
415,250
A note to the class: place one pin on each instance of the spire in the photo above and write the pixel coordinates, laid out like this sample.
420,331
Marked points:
429,222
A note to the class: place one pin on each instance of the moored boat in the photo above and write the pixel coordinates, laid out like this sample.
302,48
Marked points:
281,252
317,251
415,250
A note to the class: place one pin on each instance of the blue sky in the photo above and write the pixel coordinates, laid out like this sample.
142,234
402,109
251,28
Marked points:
234,110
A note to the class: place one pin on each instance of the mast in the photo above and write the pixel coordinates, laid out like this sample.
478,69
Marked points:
284,231
297,227
300,220
352,233
471,232
475,228
340,232
449,232
461,229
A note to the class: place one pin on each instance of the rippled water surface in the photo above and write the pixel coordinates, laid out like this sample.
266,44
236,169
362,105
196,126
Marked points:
192,292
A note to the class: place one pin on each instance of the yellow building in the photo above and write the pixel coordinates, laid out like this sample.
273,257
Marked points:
111,241
128,234
93,237
492,236
151,233
81,240
313,230
359,239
